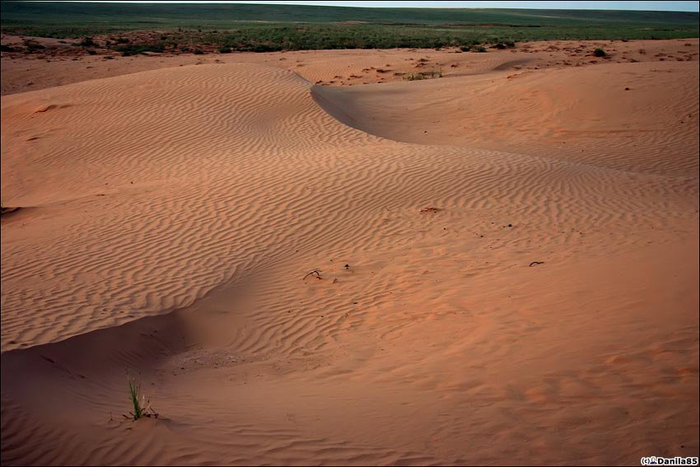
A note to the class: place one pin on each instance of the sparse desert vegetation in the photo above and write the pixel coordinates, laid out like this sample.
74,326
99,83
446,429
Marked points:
234,27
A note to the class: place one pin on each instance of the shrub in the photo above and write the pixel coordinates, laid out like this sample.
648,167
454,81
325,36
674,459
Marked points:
198,52
6,48
225,50
32,46
599,53
87,42
478,48
270,48
135,49
465,48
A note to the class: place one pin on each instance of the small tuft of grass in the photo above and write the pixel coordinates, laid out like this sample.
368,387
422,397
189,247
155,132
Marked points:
141,406
599,53
134,395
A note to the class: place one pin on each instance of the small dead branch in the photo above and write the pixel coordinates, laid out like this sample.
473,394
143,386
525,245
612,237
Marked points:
315,272
150,413
535,263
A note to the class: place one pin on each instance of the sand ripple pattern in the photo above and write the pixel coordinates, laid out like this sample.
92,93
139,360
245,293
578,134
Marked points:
197,170
176,215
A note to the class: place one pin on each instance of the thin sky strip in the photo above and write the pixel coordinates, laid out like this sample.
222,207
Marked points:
583,5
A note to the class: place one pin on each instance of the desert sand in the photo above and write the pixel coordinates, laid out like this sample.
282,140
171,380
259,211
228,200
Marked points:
506,257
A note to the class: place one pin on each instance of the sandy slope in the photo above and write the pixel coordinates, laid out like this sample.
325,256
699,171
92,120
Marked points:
169,218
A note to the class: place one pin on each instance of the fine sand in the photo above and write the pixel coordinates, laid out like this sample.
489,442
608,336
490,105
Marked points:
506,257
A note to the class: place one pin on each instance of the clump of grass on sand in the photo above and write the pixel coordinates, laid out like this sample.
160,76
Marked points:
142,406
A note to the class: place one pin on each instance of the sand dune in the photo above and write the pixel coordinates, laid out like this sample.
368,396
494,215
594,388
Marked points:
634,123
521,280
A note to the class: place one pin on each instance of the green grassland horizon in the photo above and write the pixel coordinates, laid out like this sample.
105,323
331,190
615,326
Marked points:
255,27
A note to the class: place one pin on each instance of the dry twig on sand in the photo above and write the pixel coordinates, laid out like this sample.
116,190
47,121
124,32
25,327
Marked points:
315,272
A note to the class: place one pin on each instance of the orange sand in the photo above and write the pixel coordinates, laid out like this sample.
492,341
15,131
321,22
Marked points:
169,215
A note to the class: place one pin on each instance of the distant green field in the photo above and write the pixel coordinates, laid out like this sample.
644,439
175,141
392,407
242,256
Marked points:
293,27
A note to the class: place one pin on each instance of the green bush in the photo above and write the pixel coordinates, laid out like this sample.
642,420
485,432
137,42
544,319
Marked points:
599,53
266,47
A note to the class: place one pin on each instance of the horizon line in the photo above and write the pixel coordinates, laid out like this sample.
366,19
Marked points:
375,5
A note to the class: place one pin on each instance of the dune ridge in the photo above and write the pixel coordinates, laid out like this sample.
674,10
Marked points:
172,216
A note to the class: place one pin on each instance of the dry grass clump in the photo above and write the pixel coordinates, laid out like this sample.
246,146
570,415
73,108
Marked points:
423,75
